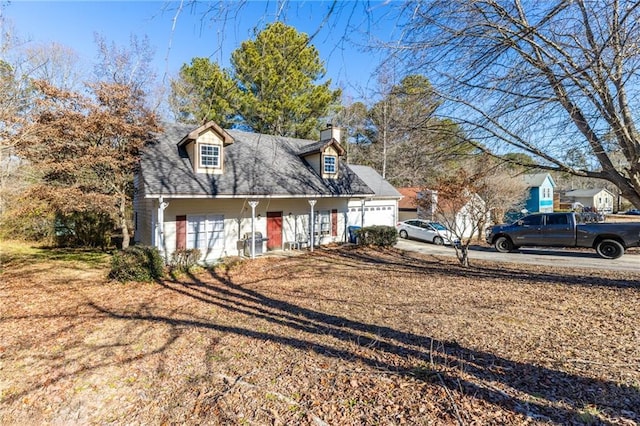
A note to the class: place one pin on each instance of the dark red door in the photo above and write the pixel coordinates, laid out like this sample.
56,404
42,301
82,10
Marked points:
274,230
334,223
181,232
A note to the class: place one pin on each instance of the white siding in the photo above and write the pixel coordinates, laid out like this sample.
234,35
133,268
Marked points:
142,216
237,220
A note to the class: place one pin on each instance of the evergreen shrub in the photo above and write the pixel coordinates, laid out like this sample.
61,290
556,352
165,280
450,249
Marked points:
137,263
380,236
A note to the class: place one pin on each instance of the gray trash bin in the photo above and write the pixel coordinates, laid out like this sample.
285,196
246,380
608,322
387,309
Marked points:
248,244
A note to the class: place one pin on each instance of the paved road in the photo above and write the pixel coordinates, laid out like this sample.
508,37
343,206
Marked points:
587,259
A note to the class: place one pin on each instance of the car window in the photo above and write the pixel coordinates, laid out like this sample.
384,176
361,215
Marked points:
557,219
438,226
412,222
532,220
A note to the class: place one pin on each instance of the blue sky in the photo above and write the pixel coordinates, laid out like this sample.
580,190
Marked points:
201,31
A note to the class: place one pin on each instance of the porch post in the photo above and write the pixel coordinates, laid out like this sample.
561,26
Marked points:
312,224
253,204
160,243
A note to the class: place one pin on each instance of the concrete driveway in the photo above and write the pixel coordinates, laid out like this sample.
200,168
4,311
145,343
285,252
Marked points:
569,258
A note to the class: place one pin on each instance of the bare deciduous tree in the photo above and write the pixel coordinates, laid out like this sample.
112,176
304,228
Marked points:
454,202
466,199
551,79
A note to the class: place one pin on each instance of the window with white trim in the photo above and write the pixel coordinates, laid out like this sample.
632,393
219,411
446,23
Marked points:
205,232
329,163
209,155
323,223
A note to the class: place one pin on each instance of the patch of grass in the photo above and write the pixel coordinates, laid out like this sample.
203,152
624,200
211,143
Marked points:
589,415
425,373
19,252
229,263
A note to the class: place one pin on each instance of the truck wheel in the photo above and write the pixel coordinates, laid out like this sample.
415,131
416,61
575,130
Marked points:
503,245
610,249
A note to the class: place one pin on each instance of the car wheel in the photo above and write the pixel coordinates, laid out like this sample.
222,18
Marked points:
504,245
403,234
610,249
438,241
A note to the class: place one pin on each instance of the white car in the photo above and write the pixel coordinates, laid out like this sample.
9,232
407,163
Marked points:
425,230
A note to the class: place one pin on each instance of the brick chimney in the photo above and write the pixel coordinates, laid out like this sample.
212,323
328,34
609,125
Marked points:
331,132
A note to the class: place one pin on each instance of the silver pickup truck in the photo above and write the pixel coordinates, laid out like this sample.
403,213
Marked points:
565,230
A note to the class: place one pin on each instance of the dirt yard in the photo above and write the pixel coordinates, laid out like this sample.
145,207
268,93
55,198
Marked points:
343,336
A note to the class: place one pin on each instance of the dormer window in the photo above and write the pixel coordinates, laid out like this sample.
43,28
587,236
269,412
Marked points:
205,148
323,156
209,155
330,164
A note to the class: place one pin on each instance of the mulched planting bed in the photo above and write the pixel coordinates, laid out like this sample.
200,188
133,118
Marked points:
340,336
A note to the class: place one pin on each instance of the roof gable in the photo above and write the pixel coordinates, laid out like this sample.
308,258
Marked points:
538,180
321,146
193,135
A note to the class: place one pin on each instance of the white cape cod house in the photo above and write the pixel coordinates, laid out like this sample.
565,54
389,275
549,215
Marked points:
207,188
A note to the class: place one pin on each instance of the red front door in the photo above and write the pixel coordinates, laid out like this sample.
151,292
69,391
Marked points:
274,230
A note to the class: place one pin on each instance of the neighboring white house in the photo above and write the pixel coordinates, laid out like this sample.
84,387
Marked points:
462,222
597,199
207,188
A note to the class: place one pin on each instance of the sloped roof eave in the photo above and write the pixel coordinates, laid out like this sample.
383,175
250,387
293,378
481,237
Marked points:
245,196
227,139
321,146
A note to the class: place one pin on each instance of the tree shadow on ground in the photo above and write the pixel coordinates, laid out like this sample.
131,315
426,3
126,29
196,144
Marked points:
481,269
535,391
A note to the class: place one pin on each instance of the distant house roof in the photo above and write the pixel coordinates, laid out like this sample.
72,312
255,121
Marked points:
374,180
537,179
409,195
254,165
586,192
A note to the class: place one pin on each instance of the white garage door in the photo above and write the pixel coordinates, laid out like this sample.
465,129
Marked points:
379,215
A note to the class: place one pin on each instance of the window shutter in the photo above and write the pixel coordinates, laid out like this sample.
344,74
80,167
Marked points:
181,232
334,223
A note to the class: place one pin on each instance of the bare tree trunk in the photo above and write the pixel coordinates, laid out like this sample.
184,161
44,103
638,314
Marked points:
384,142
122,216
462,253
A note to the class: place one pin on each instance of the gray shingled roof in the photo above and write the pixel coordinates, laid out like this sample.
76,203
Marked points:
254,165
374,180
586,192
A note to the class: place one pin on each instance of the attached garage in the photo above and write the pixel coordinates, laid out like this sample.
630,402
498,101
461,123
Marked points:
381,208
376,212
